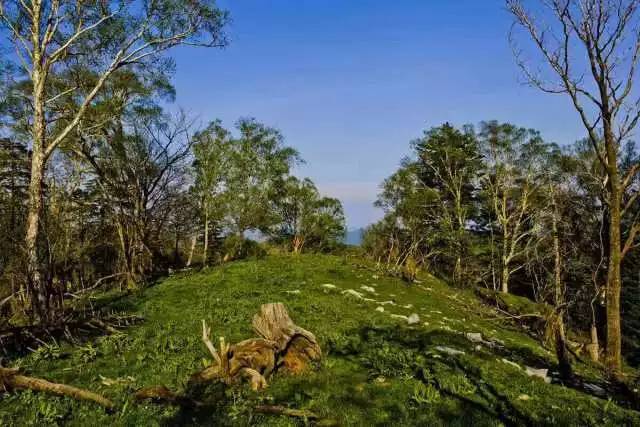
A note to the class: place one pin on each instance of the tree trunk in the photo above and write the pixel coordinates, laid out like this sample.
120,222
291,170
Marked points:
36,284
562,352
504,280
614,281
194,239
593,348
295,345
298,242
205,249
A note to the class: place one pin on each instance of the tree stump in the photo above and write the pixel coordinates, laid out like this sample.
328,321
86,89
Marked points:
282,344
295,347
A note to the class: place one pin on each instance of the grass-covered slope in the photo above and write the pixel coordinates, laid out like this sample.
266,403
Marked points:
377,369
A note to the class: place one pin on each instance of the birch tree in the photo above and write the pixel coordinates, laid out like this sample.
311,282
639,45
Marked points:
511,184
590,51
95,40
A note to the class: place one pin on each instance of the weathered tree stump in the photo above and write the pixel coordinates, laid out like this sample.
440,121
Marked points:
282,344
296,347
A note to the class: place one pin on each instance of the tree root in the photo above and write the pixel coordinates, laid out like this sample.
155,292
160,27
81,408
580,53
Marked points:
11,380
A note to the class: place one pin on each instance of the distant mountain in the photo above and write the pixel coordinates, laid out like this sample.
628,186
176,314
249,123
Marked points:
354,237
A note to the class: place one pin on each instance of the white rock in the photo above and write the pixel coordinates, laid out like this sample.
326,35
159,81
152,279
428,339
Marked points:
295,292
524,397
353,292
380,309
475,337
400,316
329,286
368,289
448,350
413,319
408,306
387,303
540,373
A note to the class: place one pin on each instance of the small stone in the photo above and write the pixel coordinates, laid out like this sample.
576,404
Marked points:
540,373
352,292
413,319
475,337
400,316
380,309
294,292
524,397
329,286
368,289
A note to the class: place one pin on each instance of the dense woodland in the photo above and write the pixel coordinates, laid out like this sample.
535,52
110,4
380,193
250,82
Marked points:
105,185
102,186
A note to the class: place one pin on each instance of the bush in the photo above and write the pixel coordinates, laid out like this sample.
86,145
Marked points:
237,247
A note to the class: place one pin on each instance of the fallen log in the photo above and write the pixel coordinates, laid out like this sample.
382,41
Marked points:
281,410
10,379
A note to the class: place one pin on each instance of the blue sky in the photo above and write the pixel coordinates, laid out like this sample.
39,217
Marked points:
351,82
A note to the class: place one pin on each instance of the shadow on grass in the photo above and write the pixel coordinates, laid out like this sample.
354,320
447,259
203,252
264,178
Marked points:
370,375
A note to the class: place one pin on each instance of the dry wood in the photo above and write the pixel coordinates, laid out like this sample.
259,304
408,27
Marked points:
10,380
296,347
281,410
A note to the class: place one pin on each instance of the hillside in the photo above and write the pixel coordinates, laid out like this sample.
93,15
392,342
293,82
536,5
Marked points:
377,369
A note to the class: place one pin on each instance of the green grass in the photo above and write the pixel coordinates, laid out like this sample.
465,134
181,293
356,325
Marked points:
377,370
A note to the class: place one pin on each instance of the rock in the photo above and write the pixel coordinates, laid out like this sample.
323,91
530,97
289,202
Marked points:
448,350
475,337
387,303
329,286
353,292
413,319
400,316
380,309
524,397
509,362
368,289
408,306
294,292
374,277
540,373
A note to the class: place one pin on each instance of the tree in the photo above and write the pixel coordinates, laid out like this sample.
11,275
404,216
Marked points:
307,219
259,164
449,162
139,172
212,160
92,41
591,49
511,181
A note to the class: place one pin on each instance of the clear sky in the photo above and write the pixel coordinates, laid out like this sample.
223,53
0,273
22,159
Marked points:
351,82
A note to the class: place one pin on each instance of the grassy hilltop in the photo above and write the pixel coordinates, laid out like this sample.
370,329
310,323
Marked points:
377,368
